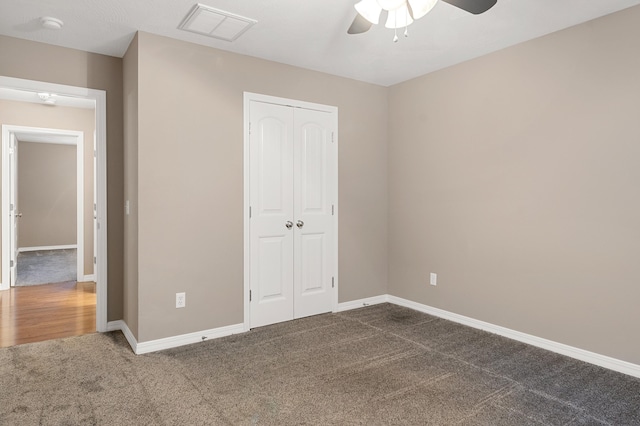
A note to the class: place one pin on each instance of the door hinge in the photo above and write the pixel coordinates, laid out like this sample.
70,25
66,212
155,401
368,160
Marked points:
332,138
249,212
95,260
11,207
95,153
11,264
249,295
333,282
332,210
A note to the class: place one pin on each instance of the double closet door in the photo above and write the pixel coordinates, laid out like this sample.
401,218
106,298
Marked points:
292,205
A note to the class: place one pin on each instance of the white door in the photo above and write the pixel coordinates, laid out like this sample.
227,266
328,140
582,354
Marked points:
271,228
291,224
312,212
13,207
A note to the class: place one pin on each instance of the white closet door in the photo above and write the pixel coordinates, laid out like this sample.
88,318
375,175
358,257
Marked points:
291,231
271,195
313,236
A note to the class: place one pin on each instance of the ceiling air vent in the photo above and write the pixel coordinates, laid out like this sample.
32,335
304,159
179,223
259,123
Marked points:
215,23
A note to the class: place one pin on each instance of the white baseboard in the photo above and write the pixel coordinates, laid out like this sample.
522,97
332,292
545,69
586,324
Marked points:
174,341
115,325
570,351
354,304
122,326
86,278
70,246
187,339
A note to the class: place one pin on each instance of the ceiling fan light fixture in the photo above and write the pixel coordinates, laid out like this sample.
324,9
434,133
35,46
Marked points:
369,10
402,13
421,7
391,4
399,18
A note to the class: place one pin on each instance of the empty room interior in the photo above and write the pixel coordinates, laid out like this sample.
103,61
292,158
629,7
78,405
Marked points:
363,212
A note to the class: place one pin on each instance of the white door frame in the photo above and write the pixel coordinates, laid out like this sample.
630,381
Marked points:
26,134
100,99
248,97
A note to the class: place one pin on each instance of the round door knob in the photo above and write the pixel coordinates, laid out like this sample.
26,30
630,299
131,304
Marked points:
289,224
300,224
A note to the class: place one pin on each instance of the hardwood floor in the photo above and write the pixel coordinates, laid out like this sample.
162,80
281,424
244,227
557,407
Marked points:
44,312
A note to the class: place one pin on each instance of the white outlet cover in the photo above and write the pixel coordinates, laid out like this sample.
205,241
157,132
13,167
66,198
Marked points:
433,279
181,300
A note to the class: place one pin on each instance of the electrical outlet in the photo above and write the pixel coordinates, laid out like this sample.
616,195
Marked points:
181,300
433,279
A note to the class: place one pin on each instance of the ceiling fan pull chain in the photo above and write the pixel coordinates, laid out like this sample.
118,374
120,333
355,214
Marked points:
395,30
406,29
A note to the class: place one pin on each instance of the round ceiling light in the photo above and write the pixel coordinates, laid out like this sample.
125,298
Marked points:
51,23
47,98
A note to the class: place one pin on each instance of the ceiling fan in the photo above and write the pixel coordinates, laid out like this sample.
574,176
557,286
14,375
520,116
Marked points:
401,13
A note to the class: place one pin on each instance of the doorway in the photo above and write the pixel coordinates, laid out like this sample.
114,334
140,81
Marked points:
291,205
46,206
16,89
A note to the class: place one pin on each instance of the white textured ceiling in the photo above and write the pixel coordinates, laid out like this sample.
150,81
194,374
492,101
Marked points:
308,33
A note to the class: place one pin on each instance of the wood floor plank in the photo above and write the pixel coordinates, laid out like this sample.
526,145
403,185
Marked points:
44,312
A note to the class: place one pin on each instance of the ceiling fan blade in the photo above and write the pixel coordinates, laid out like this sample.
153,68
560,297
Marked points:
473,6
359,25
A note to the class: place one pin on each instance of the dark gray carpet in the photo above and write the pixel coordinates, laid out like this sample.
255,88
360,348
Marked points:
378,365
46,266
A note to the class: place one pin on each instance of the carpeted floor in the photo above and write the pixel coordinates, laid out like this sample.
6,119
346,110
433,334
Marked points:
378,365
46,266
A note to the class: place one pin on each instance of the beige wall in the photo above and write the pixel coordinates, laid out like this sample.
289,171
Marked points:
47,190
190,180
130,70
515,178
25,59
65,118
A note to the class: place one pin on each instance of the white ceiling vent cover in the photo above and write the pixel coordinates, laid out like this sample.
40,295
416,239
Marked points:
215,23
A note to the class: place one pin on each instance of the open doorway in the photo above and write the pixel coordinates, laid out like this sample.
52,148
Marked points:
90,242
50,199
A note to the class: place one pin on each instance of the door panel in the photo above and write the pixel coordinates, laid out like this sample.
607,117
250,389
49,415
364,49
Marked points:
272,267
271,252
312,257
272,146
312,263
314,158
